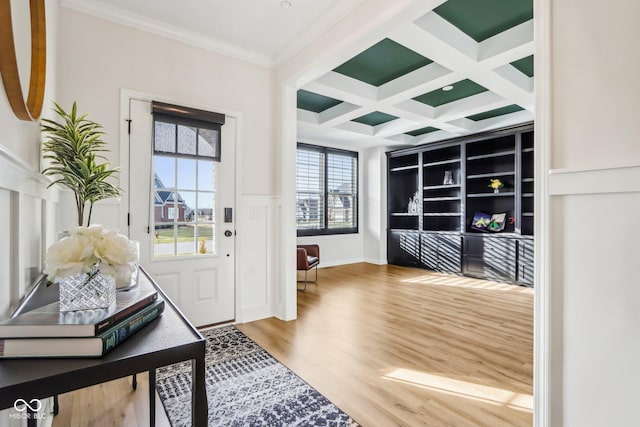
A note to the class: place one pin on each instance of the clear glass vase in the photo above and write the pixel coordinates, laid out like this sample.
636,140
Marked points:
87,291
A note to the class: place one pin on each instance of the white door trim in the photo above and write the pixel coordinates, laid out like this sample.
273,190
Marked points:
125,96
542,164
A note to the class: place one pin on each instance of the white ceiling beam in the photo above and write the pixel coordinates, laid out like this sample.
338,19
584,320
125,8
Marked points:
431,35
339,86
341,113
423,80
308,116
469,106
515,76
508,46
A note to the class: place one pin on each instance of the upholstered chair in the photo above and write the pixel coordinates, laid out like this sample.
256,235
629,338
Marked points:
308,258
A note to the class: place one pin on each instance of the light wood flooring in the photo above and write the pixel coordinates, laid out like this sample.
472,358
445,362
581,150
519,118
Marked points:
391,346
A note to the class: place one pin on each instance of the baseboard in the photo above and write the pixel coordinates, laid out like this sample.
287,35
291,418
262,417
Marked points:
376,261
325,264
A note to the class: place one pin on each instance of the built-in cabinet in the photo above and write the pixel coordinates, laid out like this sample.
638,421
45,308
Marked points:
436,191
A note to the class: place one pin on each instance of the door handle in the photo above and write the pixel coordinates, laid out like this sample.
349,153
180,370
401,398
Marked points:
228,233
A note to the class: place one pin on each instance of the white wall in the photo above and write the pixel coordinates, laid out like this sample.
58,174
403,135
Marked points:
594,206
98,58
27,209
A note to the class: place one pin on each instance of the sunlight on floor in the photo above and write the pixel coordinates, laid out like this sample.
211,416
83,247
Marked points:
465,282
468,390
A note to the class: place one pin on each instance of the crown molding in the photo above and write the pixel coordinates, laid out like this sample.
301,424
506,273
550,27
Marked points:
119,16
320,26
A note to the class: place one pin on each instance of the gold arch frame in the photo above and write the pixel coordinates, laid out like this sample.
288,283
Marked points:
30,110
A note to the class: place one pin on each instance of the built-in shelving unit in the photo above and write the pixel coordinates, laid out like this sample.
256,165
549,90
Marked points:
452,181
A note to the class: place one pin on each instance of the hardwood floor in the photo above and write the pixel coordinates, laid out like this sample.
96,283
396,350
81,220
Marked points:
391,346
396,346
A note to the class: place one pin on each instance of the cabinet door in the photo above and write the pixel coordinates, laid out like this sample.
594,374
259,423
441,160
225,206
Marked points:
403,248
449,253
490,257
429,250
525,262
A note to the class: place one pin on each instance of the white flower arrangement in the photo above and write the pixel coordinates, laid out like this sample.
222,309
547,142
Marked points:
85,247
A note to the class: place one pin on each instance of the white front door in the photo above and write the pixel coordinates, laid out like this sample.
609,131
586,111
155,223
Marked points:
177,207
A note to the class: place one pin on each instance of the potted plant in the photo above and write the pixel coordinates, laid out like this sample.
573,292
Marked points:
91,262
73,146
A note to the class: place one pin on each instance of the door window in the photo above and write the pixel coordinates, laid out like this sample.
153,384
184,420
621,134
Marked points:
184,199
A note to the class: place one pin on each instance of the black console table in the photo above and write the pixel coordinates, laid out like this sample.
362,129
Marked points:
167,340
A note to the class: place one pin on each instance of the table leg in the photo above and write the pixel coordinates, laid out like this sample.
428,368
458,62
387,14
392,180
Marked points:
56,405
152,397
199,406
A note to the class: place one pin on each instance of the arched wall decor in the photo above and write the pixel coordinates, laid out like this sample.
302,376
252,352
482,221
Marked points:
31,109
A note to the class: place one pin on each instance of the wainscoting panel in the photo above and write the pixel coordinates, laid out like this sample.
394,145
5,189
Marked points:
25,228
257,272
29,224
5,253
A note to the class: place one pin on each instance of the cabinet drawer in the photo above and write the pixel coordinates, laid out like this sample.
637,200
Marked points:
485,247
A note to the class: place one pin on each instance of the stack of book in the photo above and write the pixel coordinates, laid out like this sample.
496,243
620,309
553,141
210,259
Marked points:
45,331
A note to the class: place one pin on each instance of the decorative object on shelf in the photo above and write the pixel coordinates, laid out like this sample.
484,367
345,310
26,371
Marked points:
485,222
496,184
73,146
414,201
497,222
480,221
89,265
448,178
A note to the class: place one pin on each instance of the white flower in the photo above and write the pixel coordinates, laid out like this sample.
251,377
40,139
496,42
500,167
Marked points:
69,256
86,246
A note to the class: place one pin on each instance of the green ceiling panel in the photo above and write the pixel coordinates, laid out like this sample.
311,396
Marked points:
422,131
382,62
313,102
374,119
481,19
525,65
461,89
495,113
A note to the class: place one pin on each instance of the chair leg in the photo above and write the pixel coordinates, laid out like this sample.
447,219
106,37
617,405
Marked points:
305,282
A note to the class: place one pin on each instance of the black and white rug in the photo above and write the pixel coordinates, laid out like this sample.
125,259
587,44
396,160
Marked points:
246,386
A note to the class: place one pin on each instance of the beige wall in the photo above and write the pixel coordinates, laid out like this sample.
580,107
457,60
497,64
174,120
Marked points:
594,202
596,83
101,57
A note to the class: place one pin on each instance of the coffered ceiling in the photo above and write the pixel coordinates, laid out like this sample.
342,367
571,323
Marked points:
455,67
463,67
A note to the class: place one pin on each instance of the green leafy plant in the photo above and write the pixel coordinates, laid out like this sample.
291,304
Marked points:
73,146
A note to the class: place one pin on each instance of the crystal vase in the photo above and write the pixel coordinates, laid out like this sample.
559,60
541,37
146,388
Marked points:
87,291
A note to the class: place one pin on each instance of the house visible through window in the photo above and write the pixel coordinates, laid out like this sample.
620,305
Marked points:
184,164
326,190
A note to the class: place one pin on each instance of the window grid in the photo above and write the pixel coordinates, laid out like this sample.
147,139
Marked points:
326,190
184,212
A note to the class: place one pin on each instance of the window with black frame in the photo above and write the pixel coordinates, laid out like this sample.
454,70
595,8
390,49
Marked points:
326,190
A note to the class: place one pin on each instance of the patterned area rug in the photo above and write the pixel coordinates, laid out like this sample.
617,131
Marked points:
246,386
